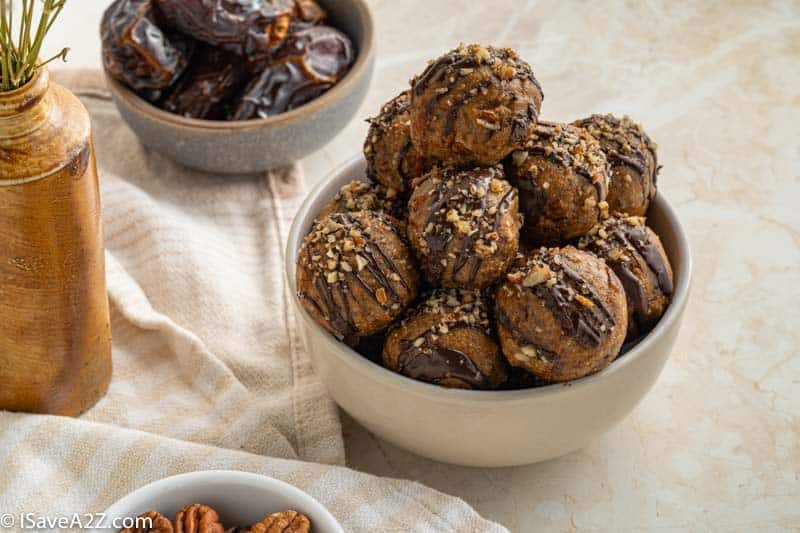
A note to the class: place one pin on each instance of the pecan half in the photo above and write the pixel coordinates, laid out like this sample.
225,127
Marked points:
151,522
284,522
198,518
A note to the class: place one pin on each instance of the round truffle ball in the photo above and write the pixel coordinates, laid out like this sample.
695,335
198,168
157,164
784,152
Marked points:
355,274
474,105
464,226
365,196
391,157
635,254
561,314
447,339
562,177
632,161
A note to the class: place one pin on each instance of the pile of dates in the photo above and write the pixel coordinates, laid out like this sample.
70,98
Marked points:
224,59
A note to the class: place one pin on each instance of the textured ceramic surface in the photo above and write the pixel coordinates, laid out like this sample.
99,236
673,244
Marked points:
488,428
55,338
240,498
256,145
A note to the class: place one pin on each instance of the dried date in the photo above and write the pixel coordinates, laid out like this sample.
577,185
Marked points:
310,62
214,77
309,11
252,28
137,52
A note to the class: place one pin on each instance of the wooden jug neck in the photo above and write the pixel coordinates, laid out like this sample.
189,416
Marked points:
24,110
43,128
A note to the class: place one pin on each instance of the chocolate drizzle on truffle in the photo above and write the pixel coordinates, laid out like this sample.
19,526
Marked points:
582,313
474,105
391,157
461,61
625,143
523,340
342,249
619,240
616,134
425,357
401,160
574,148
561,314
433,363
563,181
462,221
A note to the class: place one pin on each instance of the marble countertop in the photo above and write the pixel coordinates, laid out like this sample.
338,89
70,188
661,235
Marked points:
715,446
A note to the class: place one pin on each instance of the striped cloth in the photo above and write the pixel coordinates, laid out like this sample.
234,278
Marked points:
208,369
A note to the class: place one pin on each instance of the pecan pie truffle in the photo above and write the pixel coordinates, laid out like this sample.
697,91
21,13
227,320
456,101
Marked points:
391,157
464,226
562,177
632,159
355,274
447,340
635,254
365,196
561,314
474,105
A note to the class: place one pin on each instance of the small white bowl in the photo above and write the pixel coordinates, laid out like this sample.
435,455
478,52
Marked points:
488,428
240,498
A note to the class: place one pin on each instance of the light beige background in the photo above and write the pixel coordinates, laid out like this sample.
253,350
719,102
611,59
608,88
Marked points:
715,446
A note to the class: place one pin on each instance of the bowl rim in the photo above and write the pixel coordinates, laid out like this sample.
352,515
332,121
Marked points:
397,381
340,90
202,477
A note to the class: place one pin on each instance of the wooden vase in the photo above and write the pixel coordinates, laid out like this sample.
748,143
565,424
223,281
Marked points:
55,338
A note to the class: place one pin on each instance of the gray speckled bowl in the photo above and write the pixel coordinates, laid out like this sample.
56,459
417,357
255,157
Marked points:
256,145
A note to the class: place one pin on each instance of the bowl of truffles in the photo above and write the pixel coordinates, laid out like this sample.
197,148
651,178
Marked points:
218,501
237,87
486,287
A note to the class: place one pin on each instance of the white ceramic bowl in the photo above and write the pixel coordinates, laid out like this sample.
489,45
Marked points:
488,428
240,498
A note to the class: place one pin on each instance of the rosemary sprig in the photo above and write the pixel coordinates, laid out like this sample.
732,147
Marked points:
21,40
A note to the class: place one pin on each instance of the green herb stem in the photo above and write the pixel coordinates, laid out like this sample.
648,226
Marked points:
19,58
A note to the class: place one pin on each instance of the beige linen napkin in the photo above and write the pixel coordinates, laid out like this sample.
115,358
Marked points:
208,369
